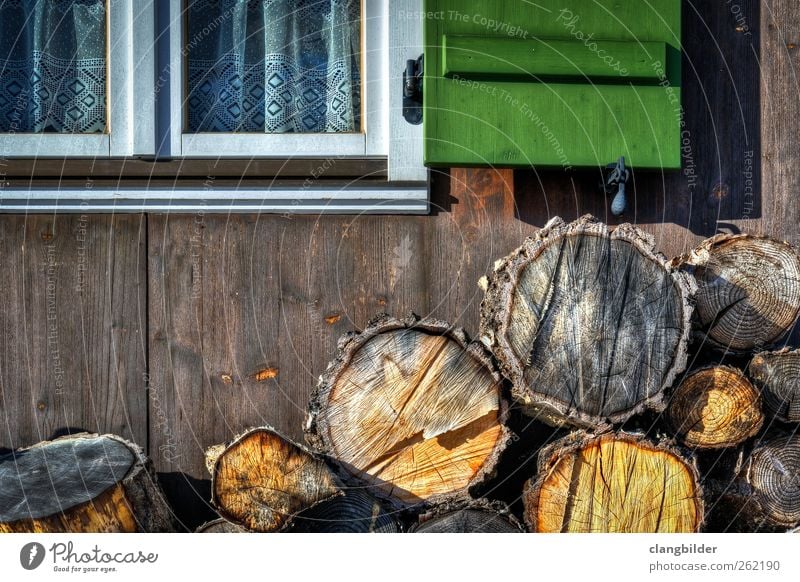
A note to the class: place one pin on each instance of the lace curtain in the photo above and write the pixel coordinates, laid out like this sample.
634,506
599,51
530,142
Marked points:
274,66
52,66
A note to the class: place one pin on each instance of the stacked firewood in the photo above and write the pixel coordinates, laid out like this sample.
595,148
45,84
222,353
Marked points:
668,411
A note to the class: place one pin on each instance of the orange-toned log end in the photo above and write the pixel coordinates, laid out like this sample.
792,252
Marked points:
262,480
715,408
80,484
412,409
613,483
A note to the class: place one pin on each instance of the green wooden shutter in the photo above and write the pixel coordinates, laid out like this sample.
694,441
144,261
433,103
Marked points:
552,83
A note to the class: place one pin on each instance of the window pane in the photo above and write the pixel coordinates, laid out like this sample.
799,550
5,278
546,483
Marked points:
52,66
274,66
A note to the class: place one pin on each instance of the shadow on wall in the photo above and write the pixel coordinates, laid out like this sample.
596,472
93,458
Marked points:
721,140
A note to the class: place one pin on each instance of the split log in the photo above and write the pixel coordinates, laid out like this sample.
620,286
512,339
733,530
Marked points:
777,374
220,526
765,493
355,512
412,409
715,408
261,481
613,483
472,518
590,326
81,483
749,290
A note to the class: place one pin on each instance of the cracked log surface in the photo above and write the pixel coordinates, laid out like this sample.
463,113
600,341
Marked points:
81,483
715,408
749,289
765,494
411,409
261,480
479,516
778,376
613,483
354,512
590,325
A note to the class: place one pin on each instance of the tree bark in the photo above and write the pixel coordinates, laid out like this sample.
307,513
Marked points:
589,325
261,481
412,409
355,512
765,494
473,517
715,408
81,483
749,290
777,374
613,483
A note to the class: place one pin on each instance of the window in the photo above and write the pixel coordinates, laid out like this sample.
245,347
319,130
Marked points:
66,90
210,88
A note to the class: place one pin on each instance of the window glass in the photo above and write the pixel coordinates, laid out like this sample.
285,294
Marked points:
273,66
52,66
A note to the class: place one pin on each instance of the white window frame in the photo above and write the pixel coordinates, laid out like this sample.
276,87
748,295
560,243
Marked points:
146,85
130,65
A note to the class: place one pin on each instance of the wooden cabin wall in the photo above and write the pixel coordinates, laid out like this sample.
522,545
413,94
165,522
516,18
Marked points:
178,332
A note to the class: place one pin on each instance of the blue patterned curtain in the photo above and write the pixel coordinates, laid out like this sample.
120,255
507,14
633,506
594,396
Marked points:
274,66
52,66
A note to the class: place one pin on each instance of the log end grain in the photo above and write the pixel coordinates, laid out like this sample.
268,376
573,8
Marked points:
261,481
590,325
477,516
613,483
81,483
354,512
715,408
749,290
777,374
411,409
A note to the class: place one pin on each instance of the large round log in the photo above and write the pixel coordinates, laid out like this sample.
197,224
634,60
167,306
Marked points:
613,483
261,480
766,491
472,518
411,409
589,325
777,374
715,408
749,290
81,483
354,512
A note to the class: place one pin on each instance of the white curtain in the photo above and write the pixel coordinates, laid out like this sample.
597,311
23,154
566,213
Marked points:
52,66
273,66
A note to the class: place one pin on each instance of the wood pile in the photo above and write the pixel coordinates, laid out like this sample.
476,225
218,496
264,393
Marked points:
670,405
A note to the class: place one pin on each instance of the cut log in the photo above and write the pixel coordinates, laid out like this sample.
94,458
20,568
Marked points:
715,408
81,483
411,409
749,290
766,491
473,518
777,374
613,483
220,526
261,481
589,326
355,512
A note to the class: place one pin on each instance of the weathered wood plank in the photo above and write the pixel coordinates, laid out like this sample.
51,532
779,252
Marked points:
72,327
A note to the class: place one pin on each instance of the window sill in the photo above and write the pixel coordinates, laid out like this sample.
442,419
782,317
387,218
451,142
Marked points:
280,198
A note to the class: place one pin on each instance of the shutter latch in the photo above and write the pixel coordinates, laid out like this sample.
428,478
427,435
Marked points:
412,91
614,183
